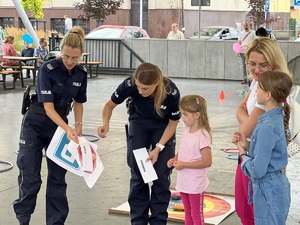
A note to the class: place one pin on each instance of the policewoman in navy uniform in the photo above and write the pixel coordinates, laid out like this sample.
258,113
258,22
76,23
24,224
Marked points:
60,82
154,115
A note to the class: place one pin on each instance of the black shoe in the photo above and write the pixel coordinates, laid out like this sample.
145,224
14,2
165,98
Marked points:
24,223
28,76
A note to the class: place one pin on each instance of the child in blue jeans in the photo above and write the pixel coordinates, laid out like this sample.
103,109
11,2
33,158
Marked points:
265,159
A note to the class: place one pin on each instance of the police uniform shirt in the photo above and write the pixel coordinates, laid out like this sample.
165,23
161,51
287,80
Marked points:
57,86
144,106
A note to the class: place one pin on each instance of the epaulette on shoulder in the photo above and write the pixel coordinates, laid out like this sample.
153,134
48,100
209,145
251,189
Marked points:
81,67
129,83
51,65
172,89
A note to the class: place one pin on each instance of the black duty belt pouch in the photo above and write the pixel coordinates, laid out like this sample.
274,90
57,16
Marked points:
26,100
129,105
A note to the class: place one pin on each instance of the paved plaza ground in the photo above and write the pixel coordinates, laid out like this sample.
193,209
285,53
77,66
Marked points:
90,206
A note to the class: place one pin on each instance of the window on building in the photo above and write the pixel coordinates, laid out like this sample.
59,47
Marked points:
58,24
36,24
83,23
7,21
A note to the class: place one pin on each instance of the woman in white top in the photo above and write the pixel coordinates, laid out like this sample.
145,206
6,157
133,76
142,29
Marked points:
263,54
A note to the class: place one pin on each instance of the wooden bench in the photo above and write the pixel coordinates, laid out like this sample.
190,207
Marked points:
14,73
18,67
21,74
89,65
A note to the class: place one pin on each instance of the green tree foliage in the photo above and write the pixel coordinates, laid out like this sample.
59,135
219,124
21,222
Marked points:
35,6
98,9
257,10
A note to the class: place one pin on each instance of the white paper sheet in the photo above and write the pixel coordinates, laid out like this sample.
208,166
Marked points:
81,159
146,168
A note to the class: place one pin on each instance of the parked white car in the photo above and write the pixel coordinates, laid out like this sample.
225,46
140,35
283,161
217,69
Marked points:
217,33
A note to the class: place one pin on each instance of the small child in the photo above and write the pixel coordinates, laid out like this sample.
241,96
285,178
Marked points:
269,188
193,158
28,52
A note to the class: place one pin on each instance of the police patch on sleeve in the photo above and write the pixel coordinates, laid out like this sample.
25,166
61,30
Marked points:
174,92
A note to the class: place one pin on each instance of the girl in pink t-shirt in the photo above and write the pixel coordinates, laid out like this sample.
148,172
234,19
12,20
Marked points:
193,158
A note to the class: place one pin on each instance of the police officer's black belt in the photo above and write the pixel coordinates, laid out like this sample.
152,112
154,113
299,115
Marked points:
63,111
37,109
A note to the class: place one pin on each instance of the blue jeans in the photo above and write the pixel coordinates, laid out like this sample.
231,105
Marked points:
271,198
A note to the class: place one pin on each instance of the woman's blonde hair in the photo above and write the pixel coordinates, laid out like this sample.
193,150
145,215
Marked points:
272,52
74,38
148,74
194,104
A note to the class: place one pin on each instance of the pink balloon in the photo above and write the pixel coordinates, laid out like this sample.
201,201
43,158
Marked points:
237,48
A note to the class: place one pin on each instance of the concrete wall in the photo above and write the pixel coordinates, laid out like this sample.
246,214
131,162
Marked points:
199,59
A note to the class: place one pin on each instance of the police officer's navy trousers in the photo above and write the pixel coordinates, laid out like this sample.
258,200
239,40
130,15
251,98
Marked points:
145,133
36,134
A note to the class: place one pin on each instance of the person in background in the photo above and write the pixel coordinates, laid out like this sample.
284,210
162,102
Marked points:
1,54
267,155
61,82
10,50
41,52
153,118
262,55
193,158
27,52
262,32
271,35
68,24
244,39
175,33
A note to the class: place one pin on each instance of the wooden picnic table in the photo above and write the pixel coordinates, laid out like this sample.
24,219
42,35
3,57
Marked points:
21,67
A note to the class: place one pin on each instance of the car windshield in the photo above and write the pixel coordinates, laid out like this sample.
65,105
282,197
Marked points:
106,33
208,31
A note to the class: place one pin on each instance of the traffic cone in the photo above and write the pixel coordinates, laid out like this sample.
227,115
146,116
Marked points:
222,95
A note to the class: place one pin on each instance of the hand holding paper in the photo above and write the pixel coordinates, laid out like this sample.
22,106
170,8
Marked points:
146,168
81,159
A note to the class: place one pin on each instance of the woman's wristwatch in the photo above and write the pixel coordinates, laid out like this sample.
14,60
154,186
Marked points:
160,146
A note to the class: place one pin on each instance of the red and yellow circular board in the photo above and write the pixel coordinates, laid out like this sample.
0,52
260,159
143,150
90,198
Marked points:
213,206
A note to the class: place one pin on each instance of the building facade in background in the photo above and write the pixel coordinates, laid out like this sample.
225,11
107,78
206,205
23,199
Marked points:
157,15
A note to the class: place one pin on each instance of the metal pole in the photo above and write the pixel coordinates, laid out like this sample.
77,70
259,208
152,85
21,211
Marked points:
26,21
199,19
141,13
182,8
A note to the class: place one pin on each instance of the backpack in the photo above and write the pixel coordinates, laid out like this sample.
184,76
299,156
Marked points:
52,55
